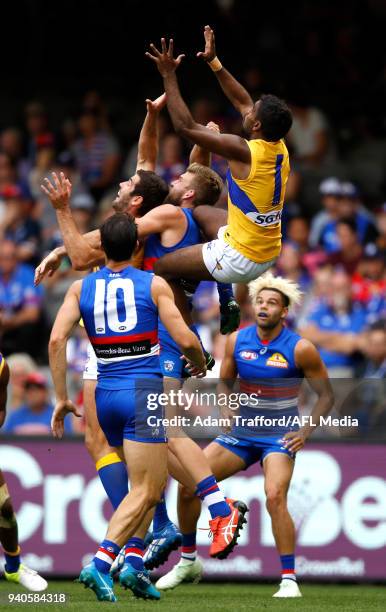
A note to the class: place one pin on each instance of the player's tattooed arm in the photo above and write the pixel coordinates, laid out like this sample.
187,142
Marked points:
67,317
233,148
148,138
309,361
234,91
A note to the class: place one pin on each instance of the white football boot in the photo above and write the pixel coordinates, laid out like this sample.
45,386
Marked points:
288,588
182,572
28,578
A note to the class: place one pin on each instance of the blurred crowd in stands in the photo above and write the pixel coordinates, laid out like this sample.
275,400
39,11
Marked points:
334,232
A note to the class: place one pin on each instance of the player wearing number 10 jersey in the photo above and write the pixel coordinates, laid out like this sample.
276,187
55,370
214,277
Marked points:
120,307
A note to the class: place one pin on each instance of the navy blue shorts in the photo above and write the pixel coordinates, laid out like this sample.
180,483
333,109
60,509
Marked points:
125,413
252,450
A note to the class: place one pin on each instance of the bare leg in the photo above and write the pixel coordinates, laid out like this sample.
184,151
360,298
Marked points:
185,263
210,219
278,469
94,438
147,466
222,464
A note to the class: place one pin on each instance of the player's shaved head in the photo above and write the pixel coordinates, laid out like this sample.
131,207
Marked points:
119,236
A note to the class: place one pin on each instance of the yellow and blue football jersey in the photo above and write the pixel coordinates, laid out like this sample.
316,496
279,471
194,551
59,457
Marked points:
255,204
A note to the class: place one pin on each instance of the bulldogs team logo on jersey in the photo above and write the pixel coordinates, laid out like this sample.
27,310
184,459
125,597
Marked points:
249,355
277,361
169,365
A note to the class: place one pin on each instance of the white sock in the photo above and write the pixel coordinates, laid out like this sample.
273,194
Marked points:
288,577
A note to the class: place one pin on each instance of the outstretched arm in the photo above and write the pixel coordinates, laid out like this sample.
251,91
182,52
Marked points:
198,155
172,319
67,317
234,91
227,145
83,249
148,138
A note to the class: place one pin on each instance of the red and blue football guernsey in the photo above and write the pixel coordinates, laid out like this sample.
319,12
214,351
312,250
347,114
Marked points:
270,380
170,362
121,321
154,249
269,376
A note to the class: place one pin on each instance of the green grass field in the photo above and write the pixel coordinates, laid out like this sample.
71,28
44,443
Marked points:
235,597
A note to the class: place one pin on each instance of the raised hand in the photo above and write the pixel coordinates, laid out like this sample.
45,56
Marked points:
58,191
47,267
155,106
210,49
211,125
164,59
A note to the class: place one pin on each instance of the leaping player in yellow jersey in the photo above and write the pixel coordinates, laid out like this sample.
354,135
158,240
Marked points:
257,176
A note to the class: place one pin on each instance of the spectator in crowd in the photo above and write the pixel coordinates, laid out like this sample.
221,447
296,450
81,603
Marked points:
97,155
40,136
334,327
20,366
298,232
374,348
367,403
171,164
19,226
290,266
349,208
316,295
330,192
11,144
34,417
349,254
370,279
381,227
83,206
308,136
20,304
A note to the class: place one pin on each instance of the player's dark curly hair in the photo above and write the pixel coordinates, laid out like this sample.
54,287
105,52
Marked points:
152,188
119,236
275,117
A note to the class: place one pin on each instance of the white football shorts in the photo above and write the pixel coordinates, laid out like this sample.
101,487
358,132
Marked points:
90,371
227,265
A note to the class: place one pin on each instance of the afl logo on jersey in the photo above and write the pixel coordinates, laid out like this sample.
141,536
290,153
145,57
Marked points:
277,361
249,355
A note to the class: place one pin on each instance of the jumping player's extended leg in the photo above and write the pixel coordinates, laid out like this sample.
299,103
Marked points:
278,469
184,263
223,464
